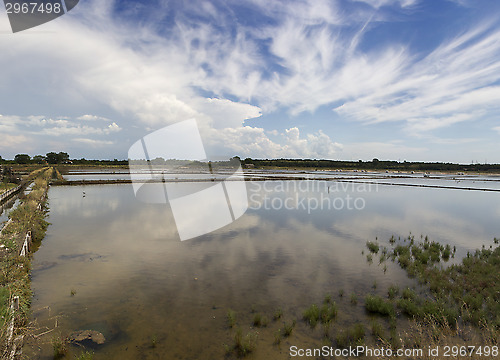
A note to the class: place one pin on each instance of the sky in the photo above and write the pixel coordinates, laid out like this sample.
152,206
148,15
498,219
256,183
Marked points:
414,80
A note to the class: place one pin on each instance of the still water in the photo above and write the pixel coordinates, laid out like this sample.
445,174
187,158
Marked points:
115,265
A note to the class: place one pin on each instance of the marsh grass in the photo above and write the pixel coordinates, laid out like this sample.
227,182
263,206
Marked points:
393,291
259,320
278,313
377,330
373,247
277,337
288,328
59,347
311,315
231,318
377,305
242,345
353,335
463,293
354,299
87,355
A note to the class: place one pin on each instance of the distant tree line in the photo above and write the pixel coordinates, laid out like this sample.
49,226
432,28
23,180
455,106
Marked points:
49,158
375,164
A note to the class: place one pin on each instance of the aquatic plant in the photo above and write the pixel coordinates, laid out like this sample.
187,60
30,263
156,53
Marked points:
259,320
278,313
373,247
354,299
375,304
87,355
277,337
242,345
311,315
231,318
328,312
377,329
328,299
393,291
59,347
352,335
154,341
288,328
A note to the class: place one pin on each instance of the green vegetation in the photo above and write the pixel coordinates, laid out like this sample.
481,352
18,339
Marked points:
373,247
288,328
351,336
87,355
311,315
393,292
29,216
374,164
154,341
59,347
6,187
354,299
467,291
242,345
325,314
377,330
377,305
231,318
278,314
259,320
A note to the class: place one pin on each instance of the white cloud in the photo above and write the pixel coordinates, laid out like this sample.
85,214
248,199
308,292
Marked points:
15,141
41,125
380,3
456,82
89,117
315,59
252,141
94,142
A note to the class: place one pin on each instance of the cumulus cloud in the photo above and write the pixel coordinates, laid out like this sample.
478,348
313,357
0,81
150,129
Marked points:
252,141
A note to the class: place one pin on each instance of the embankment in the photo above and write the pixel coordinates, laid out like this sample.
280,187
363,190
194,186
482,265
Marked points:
26,226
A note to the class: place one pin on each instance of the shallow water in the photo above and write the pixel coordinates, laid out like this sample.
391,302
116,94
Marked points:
5,209
135,281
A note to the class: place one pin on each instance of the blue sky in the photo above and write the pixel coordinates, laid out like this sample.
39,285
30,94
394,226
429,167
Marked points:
415,80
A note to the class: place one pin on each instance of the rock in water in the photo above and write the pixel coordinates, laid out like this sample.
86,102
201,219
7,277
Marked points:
87,335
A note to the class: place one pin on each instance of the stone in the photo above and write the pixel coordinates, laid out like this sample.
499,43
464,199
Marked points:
87,335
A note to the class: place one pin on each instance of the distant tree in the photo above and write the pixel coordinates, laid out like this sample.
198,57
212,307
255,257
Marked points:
52,158
63,157
38,159
22,159
57,158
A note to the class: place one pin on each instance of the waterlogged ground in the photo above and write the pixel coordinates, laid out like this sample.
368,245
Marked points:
115,265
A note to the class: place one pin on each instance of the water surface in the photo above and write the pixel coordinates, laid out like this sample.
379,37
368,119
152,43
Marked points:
134,281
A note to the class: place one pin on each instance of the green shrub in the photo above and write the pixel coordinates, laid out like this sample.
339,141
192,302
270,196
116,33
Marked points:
311,315
373,247
375,304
